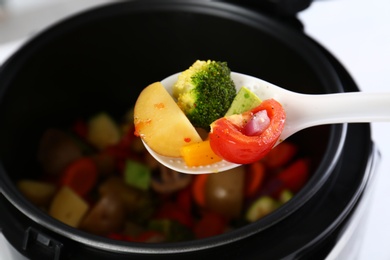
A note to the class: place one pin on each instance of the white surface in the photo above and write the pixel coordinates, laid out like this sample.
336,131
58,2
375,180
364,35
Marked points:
357,32
21,18
7,252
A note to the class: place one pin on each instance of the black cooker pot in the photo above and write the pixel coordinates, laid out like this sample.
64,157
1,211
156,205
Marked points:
101,60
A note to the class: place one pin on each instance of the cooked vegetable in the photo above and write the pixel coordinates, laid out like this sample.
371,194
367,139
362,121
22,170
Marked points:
137,175
198,189
295,175
183,199
224,192
229,142
205,92
56,150
292,177
280,155
80,176
254,178
256,124
285,196
38,192
121,192
261,207
170,211
68,207
107,215
157,117
245,100
199,154
172,230
265,204
169,181
103,131
135,200
210,224
105,163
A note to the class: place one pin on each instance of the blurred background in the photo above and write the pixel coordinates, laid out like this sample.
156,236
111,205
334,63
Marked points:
357,32
22,18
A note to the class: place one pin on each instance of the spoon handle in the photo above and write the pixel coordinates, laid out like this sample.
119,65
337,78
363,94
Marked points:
351,107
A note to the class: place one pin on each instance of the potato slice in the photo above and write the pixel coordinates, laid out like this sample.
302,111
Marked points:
68,207
103,131
39,193
161,123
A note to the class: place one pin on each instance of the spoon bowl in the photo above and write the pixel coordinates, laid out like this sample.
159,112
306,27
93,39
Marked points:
302,111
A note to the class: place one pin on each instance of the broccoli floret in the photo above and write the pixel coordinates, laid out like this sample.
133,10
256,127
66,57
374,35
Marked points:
205,92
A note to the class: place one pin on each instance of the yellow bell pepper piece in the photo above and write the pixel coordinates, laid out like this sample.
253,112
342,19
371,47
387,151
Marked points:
199,154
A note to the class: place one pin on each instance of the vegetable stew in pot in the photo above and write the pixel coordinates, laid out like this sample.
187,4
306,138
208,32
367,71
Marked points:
97,176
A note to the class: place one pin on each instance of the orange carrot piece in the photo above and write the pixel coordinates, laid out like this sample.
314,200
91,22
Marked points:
199,154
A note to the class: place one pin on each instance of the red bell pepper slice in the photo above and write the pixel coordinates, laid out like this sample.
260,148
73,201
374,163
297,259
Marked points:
198,189
254,179
280,155
228,140
292,178
295,175
80,176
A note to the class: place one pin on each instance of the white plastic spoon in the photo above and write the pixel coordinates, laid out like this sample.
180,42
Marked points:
302,111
